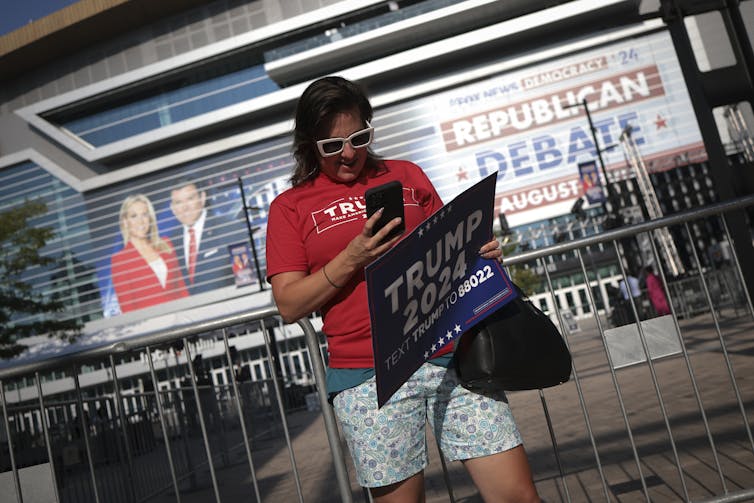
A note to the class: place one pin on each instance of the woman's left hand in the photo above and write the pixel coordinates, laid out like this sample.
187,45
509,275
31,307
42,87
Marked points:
491,250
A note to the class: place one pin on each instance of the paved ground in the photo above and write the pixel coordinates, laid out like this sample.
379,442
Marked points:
659,445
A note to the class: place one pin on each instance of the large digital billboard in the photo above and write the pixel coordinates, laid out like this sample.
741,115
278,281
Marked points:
171,235
530,126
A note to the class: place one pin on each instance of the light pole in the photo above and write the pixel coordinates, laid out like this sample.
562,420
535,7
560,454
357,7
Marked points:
578,211
251,231
612,216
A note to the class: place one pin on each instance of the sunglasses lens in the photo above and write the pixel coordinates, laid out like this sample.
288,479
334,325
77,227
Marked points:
332,146
362,139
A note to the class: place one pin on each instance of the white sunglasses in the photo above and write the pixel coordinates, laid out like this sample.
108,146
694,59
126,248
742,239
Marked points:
334,146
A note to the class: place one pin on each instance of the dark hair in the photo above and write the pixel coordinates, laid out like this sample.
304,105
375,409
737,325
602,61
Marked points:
319,103
185,181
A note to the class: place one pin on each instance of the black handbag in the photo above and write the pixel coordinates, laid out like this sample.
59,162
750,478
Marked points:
515,348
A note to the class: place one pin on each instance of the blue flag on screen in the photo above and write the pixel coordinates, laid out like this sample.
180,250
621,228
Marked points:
433,286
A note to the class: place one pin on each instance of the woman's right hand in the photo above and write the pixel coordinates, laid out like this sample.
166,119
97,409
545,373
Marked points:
366,246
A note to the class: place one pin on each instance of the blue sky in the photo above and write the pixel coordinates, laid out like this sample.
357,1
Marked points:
16,13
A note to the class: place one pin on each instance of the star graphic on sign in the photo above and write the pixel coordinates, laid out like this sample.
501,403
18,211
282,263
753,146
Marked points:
462,174
449,334
457,329
426,355
421,232
660,122
434,347
441,341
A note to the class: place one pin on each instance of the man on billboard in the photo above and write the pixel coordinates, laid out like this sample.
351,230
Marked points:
200,240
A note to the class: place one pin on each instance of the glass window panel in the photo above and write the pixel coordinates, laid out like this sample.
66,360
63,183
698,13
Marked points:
197,92
584,301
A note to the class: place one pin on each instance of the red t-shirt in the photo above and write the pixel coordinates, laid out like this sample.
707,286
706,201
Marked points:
310,224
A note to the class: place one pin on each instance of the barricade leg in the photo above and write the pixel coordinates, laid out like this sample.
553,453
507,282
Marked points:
202,424
124,428
9,434
85,432
241,417
163,426
281,410
46,431
333,437
692,376
576,380
723,346
653,373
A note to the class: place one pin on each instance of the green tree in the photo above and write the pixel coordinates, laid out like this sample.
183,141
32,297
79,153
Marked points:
23,311
526,279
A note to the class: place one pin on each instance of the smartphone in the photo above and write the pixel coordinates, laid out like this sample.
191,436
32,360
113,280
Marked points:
389,196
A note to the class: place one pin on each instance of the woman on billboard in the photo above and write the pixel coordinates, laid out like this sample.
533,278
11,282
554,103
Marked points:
146,271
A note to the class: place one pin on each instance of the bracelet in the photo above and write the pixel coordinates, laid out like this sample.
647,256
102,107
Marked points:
329,280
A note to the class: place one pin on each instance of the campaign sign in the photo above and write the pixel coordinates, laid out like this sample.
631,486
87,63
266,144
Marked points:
433,285
590,182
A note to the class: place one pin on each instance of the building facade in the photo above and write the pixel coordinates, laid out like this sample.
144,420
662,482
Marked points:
193,106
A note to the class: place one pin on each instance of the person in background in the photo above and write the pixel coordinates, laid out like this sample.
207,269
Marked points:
634,287
656,292
201,239
145,272
316,254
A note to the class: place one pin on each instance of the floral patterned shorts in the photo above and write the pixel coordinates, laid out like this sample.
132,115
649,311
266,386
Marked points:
388,444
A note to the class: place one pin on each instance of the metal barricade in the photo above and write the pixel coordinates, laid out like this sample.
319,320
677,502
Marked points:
664,405
632,364
104,444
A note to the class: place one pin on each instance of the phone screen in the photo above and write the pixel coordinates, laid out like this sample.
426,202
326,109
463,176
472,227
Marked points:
389,196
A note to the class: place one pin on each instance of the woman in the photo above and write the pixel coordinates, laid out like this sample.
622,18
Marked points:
146,271
318,243
656,292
